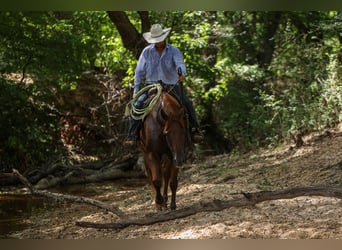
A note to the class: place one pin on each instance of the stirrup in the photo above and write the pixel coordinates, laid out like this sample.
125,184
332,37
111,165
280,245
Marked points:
130,141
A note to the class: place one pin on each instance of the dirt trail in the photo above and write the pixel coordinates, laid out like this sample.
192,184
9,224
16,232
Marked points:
318,162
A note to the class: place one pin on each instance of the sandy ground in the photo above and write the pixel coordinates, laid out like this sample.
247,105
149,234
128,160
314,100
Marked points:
318,162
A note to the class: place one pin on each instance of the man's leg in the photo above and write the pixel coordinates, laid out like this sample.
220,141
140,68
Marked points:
131,138
197,136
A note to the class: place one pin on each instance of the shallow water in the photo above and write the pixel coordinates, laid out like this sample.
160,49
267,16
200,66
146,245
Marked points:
17,206
16,209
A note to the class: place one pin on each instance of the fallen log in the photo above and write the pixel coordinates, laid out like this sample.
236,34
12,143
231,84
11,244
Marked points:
79,174
248,199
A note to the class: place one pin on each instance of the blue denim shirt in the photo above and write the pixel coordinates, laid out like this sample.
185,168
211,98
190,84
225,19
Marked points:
152,67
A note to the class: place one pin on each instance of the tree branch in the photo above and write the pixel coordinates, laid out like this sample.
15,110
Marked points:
72,198
130,36
249,199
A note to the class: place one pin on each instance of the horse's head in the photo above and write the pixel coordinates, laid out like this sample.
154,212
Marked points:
175,128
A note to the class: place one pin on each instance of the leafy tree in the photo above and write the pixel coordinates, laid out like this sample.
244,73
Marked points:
48,50
256,77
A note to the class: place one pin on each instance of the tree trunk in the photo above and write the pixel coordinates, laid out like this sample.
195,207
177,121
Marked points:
130,36
145,21
271,23
339,34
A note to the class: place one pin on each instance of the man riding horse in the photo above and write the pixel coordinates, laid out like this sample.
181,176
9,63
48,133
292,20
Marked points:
159,62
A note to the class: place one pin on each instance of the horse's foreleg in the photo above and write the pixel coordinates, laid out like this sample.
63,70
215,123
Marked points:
173,186
159,200
156,179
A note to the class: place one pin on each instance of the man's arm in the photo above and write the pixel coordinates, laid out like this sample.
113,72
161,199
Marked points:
179,62
139,73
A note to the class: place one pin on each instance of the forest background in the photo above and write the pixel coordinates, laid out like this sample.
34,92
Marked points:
257,79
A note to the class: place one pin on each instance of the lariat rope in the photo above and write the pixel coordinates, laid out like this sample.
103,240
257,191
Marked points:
140,114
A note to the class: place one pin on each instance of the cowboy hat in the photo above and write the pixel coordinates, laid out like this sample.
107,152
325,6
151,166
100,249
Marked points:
157,34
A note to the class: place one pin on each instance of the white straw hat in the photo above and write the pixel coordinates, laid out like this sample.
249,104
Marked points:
157,34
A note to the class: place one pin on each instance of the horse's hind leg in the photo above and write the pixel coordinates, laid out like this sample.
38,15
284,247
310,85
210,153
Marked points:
173,186
166,166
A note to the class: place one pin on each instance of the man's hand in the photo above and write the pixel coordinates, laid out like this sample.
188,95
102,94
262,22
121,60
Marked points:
181,78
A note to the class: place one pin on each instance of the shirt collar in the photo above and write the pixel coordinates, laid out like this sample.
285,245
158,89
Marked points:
166,45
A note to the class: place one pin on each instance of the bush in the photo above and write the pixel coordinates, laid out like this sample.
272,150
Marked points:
29,132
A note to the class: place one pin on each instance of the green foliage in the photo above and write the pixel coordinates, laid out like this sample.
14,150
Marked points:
29,132
51,49
268,81
304,93
263,76
58,46
233,110
39,44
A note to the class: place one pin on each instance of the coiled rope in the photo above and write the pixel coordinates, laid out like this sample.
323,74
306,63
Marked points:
140,114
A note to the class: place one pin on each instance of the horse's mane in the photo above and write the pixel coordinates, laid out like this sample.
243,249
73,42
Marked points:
171,106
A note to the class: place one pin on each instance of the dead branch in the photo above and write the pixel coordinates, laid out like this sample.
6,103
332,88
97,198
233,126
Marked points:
72,198
248,199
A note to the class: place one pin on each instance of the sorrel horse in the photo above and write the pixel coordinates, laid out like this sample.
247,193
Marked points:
163,141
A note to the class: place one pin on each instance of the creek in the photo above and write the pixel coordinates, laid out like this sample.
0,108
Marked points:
18,207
